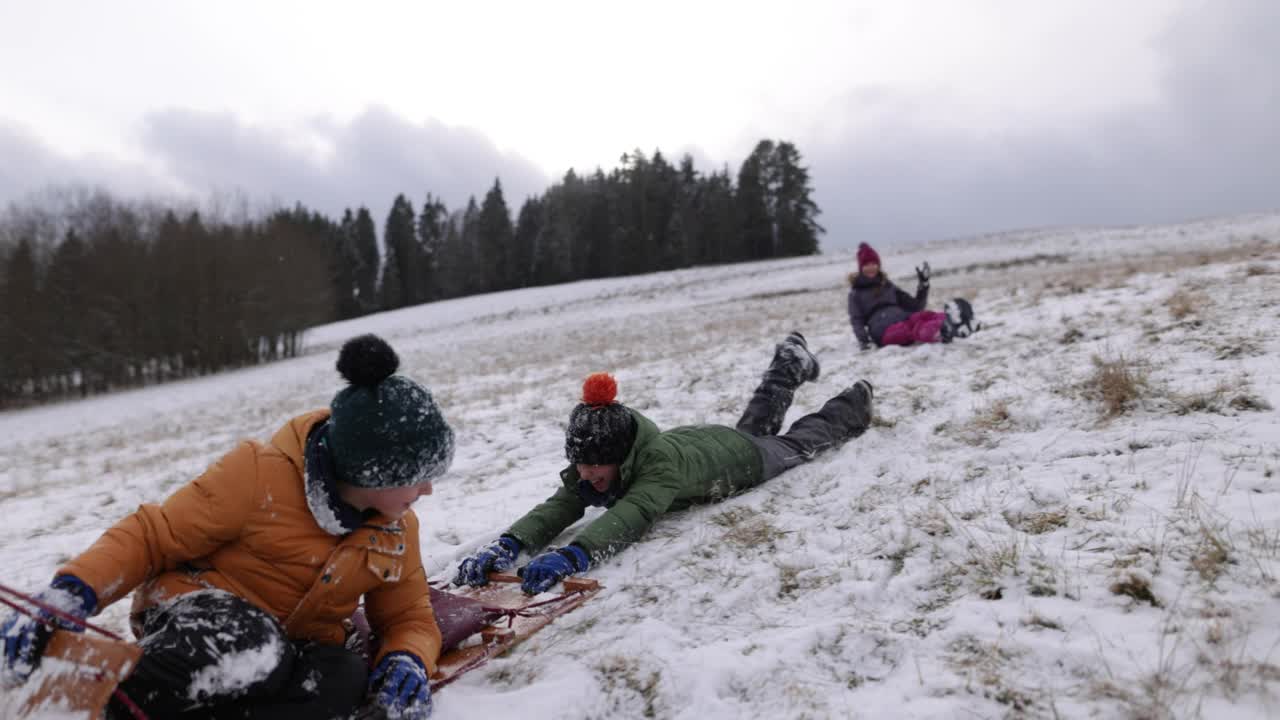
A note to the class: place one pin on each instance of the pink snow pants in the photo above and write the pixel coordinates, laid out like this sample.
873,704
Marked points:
921,327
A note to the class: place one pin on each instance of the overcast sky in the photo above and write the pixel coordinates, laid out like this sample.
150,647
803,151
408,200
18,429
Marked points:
918,119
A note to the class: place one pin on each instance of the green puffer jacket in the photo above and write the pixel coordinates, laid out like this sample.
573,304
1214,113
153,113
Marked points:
664,471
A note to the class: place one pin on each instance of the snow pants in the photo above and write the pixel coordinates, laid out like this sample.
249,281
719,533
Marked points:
922,327
841,418
213,655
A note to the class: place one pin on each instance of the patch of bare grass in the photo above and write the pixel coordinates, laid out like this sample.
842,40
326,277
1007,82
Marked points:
1135,585
624,673
1212,400
1226,395
1237,347
747,528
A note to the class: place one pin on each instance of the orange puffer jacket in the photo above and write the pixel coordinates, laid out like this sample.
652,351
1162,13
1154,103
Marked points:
244,526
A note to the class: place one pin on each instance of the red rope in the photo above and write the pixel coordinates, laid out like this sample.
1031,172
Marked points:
51,610
119,694
129,704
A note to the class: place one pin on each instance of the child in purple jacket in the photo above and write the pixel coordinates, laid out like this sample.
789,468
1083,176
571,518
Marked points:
881,313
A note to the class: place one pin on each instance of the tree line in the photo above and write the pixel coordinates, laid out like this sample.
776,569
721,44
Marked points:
98,293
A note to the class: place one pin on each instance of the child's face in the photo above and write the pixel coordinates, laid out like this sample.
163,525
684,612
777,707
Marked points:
392,502
601,477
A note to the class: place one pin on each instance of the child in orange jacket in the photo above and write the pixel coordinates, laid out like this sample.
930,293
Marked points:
242,578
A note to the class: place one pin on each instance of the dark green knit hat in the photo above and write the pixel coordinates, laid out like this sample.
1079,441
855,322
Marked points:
385,430
601,431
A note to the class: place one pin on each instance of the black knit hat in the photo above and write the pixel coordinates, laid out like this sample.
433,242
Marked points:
600,430
385,430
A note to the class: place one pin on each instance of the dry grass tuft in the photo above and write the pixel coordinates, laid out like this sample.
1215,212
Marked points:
1184,303
1212,400
1137,587
1038,523
1257,269
1039,621
1211,556
1118,383
1247,402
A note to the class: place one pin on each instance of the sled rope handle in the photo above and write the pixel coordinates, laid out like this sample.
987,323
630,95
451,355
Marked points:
512,613
117,693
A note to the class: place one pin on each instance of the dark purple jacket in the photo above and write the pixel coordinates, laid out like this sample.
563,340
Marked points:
875,304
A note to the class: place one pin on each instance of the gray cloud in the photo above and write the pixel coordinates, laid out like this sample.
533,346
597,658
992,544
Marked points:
27,165
365,162
1210,146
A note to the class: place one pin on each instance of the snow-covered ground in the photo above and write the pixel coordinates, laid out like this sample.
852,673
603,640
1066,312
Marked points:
1000,543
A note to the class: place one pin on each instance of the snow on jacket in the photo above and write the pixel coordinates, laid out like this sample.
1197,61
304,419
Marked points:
244,526
876,303
664,471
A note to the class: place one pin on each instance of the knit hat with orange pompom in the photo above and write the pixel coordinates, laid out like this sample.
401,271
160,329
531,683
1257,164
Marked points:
600,430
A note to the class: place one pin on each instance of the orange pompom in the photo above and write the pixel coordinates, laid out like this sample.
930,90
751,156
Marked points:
599,389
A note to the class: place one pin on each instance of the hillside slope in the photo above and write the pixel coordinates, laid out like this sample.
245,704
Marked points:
1074,513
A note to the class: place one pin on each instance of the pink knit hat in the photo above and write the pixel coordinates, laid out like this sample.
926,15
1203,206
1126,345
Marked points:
866,254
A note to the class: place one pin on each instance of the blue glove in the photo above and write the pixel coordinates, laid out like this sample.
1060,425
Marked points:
553,566
497,556
399,686
26,637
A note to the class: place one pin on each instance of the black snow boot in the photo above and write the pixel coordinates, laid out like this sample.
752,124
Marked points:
793,357
960,319
792,366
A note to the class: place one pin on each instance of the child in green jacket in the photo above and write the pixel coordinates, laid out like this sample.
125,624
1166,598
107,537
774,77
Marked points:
622,461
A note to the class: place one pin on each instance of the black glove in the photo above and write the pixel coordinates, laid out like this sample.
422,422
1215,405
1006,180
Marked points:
865,345
922,274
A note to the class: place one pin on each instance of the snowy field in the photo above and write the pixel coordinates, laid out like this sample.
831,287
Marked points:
1074,513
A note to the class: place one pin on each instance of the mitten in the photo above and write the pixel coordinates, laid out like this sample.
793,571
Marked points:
553,566
399,686
497,556
26,637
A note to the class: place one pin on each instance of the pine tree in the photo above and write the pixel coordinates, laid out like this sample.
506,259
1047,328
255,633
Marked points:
524,244
753,201
432,229
24,337
494,236
795,213
365,243
400,273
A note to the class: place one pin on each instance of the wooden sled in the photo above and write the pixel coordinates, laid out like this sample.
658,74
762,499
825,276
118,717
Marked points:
79,672
494,618
77,675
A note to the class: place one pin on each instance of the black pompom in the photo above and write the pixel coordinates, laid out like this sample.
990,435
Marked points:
367,360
